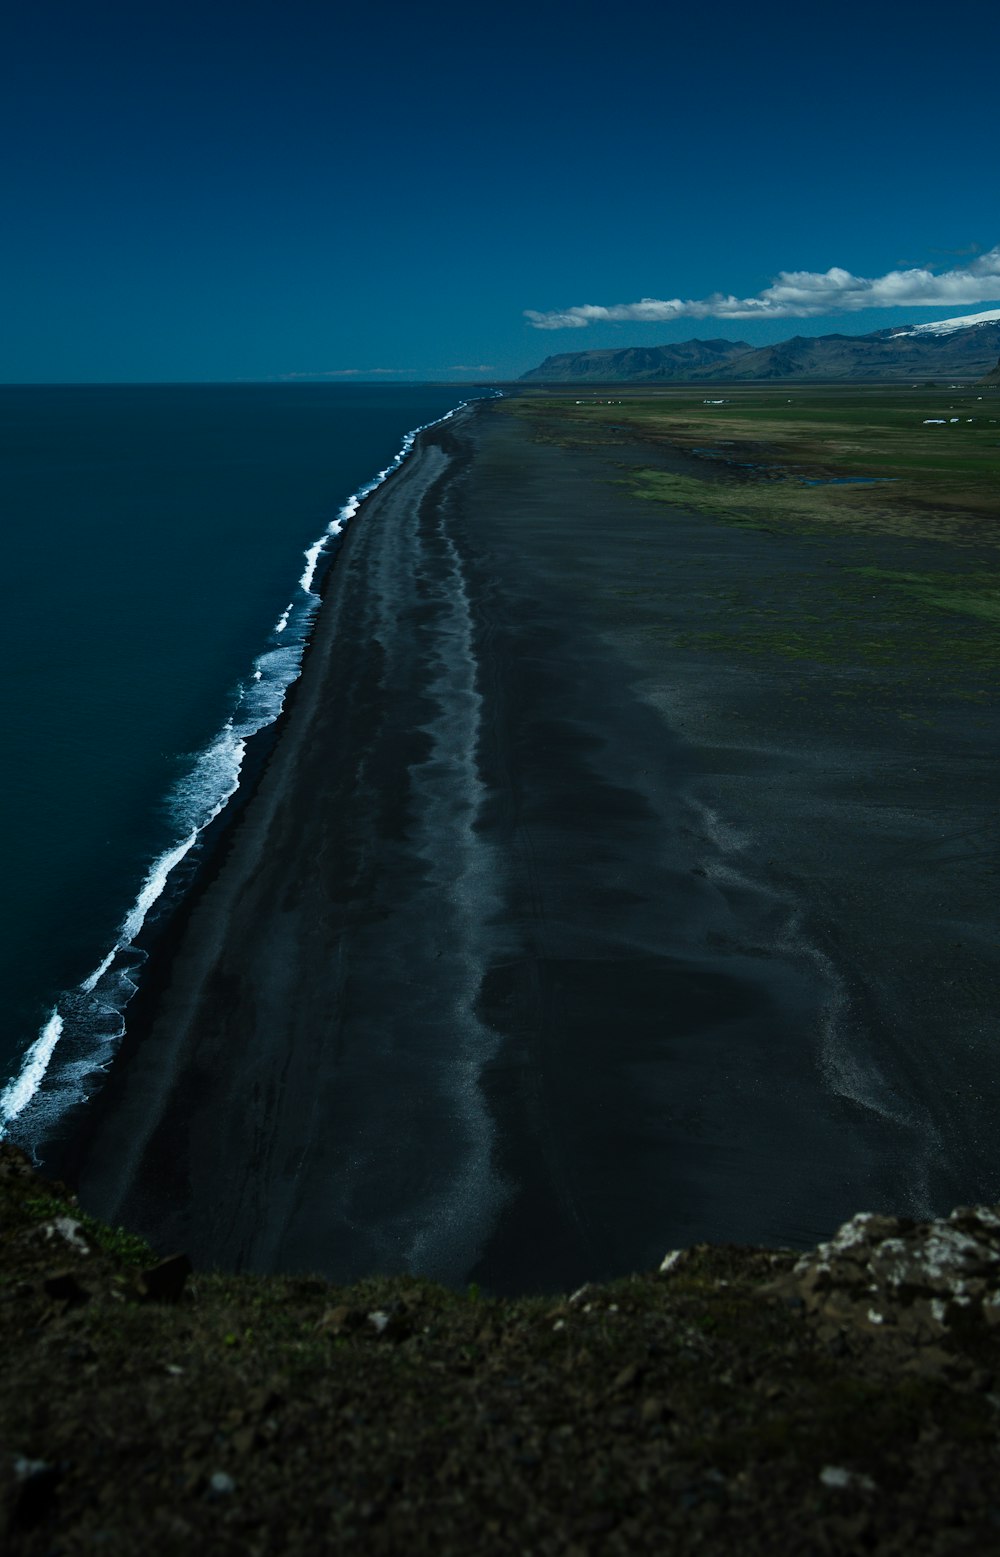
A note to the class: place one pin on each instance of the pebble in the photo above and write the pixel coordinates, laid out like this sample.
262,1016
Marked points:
840,1480
69,1230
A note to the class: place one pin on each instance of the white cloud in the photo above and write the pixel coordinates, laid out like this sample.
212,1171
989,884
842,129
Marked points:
346,372
802,294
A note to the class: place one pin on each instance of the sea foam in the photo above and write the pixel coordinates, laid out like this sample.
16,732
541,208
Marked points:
83,1031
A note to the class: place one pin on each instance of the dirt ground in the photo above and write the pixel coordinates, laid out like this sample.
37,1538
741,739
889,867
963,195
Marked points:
735,1401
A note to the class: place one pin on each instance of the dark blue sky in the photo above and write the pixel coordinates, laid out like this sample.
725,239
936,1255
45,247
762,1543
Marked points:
258,189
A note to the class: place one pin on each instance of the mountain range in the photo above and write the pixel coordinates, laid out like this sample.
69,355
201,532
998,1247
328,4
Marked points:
965,348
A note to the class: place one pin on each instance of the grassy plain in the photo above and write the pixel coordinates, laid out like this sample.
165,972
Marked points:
897,488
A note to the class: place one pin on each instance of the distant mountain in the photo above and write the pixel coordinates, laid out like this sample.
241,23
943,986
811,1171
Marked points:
641,364
967,347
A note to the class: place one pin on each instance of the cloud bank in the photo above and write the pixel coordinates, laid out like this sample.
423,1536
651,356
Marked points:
802,294
345,372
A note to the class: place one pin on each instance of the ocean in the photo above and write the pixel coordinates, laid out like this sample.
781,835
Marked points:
161,546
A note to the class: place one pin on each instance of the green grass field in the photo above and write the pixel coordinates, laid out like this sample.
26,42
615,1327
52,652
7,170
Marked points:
932,454
899,488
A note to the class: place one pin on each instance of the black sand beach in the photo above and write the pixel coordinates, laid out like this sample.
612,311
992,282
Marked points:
541,948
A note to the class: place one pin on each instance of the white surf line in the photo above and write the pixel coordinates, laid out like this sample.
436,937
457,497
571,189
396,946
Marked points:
350,508
24,1087
19,1092
393,564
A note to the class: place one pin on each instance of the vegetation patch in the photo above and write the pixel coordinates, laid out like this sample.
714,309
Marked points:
976,595
43,1208
875,479
933,455
698,1408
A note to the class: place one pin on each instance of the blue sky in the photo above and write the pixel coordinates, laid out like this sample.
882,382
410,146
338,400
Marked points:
254,190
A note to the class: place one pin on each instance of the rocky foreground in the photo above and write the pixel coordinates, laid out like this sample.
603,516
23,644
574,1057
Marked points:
734,1400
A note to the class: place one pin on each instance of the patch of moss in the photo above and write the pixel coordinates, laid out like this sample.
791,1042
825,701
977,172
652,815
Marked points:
122,1246
976,595
851,617
940,482
788,505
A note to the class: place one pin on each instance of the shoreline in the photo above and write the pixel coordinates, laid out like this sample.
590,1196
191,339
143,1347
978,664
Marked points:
61,1062
60,1149
499,977
70,1153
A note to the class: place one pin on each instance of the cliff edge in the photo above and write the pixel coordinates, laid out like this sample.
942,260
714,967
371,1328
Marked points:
735,1399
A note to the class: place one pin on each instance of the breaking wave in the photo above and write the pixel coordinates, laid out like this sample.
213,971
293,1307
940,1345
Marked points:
84,1028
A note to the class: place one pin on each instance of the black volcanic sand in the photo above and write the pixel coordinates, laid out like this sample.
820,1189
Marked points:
542,948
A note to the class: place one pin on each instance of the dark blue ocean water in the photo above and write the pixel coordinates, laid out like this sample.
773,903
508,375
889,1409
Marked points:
154,544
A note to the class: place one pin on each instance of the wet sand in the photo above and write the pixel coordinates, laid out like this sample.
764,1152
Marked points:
528,957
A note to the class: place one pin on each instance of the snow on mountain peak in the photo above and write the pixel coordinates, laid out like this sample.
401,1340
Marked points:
947,326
